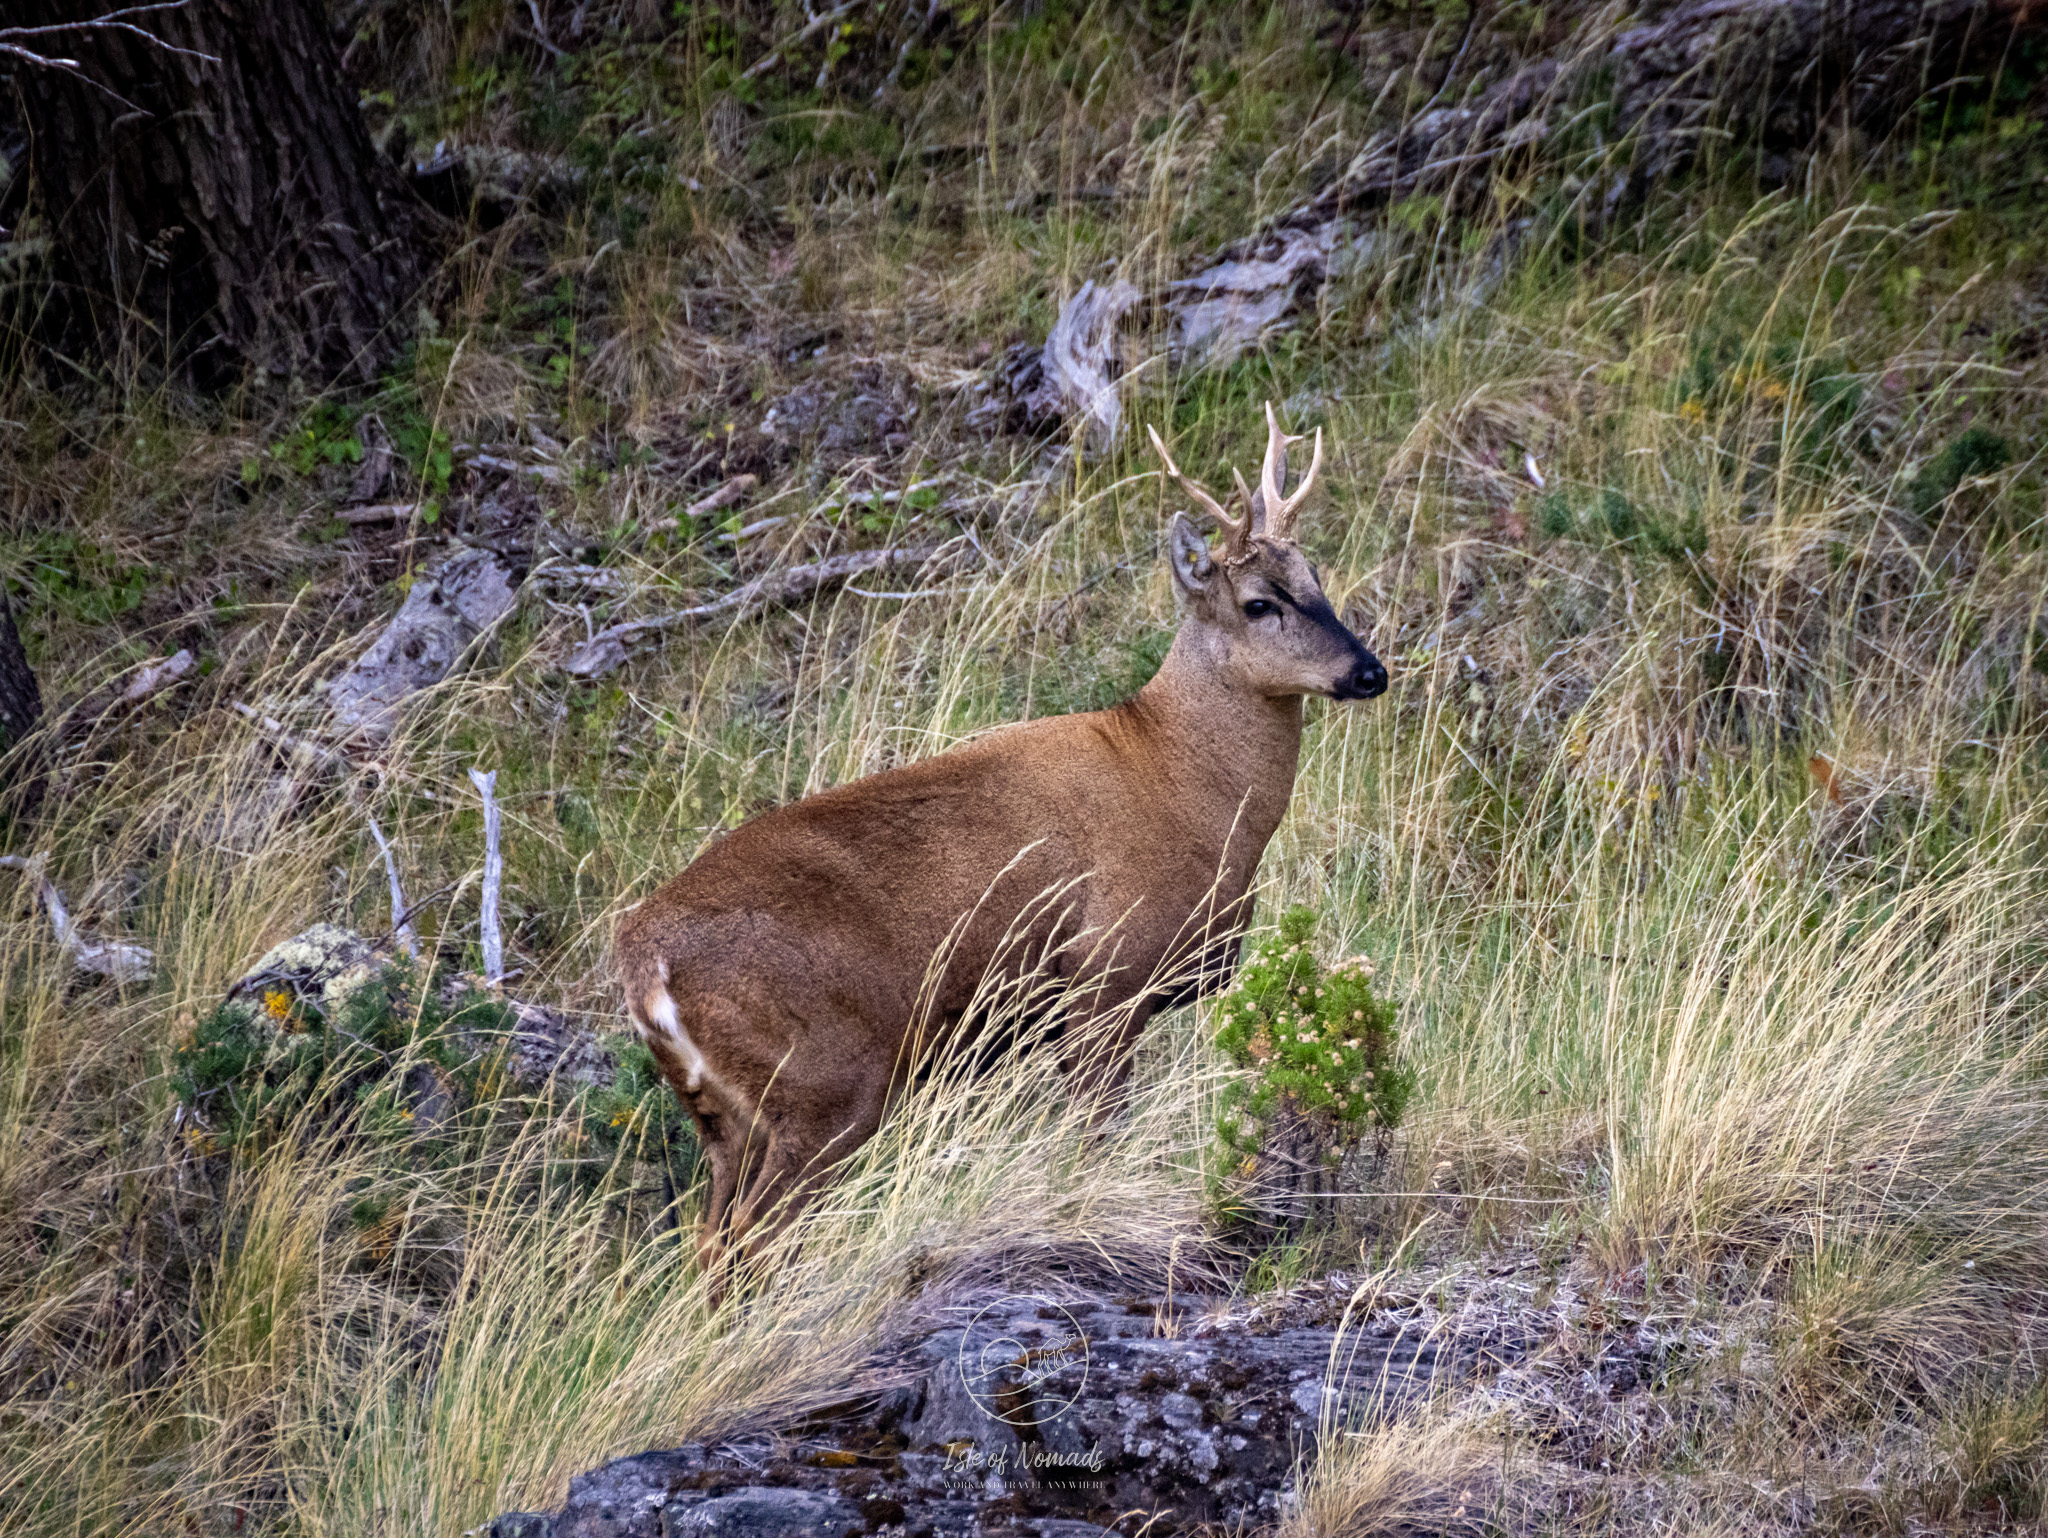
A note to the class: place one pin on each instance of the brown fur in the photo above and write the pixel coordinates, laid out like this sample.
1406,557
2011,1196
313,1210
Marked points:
778,977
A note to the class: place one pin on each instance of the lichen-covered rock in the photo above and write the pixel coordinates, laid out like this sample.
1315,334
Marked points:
324,962
869,412
545,1043
763,1511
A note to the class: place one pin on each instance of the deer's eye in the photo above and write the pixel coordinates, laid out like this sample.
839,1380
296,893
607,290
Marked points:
1259,608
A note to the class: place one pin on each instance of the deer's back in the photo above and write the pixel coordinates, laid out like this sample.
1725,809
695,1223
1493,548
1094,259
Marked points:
856,888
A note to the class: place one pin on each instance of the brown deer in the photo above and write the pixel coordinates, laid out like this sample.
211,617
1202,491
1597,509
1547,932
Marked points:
790,979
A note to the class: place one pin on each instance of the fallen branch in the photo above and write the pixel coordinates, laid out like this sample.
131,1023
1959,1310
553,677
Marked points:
724,496
151,679
481,456
601,579
494,877
606,651
382,512
758,526
115,959
810,30
1702,68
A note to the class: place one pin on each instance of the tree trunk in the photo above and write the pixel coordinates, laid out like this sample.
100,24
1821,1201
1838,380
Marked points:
220,214
1292,1180
21,701
21,707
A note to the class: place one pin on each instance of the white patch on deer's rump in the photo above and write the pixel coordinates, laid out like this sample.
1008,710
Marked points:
661,1009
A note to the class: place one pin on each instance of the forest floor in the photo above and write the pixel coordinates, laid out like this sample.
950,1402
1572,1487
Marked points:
1700,837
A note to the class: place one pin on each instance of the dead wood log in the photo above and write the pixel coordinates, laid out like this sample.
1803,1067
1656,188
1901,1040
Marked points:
445,611
492,936
1767,74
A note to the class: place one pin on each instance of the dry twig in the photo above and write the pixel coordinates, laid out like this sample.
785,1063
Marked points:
115,959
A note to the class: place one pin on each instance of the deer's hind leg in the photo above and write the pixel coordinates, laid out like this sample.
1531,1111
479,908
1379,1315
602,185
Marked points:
727,1127
797,1162
724,1160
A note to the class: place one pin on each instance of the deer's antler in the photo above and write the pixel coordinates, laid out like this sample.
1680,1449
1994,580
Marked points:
1279,512
1237,533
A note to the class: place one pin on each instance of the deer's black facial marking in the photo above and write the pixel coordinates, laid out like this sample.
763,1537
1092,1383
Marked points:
1367,677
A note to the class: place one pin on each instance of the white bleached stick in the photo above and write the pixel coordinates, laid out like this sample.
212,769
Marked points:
494,877
115,959
401,929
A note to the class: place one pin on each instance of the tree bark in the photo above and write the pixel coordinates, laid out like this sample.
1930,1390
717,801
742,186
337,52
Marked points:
21,707
21,700
216,205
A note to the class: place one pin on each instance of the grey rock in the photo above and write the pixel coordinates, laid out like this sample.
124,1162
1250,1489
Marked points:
1051,1417
838,418
625,1499
546,1043
324,962
762,1511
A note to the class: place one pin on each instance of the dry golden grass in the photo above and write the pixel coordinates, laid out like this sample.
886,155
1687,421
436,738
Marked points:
1694,1019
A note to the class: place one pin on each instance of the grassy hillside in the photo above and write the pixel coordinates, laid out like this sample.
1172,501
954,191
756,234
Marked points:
1700,834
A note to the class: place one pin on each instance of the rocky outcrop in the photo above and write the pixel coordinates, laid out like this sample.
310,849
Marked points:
1046,1417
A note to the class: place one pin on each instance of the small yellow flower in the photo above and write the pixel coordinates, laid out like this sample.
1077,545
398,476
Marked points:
1693,412
277,1004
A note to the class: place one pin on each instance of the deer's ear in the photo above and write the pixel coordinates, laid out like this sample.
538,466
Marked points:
1189,551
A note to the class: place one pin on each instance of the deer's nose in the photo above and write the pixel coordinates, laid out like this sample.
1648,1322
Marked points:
1367,679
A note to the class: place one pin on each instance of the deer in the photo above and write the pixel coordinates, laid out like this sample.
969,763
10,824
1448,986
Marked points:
789,978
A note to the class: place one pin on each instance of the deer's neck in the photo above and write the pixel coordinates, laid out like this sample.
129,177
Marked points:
1228,755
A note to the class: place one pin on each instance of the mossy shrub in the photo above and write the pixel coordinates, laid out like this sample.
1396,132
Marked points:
1316,1046
286,1060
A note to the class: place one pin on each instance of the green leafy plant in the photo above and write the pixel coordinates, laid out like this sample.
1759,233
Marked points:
427,450
638,1113
1315,1045
76,577
327,436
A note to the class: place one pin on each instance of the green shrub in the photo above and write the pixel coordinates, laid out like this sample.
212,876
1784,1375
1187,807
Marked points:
399,1061
1315,1044
638,1109
248,1072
